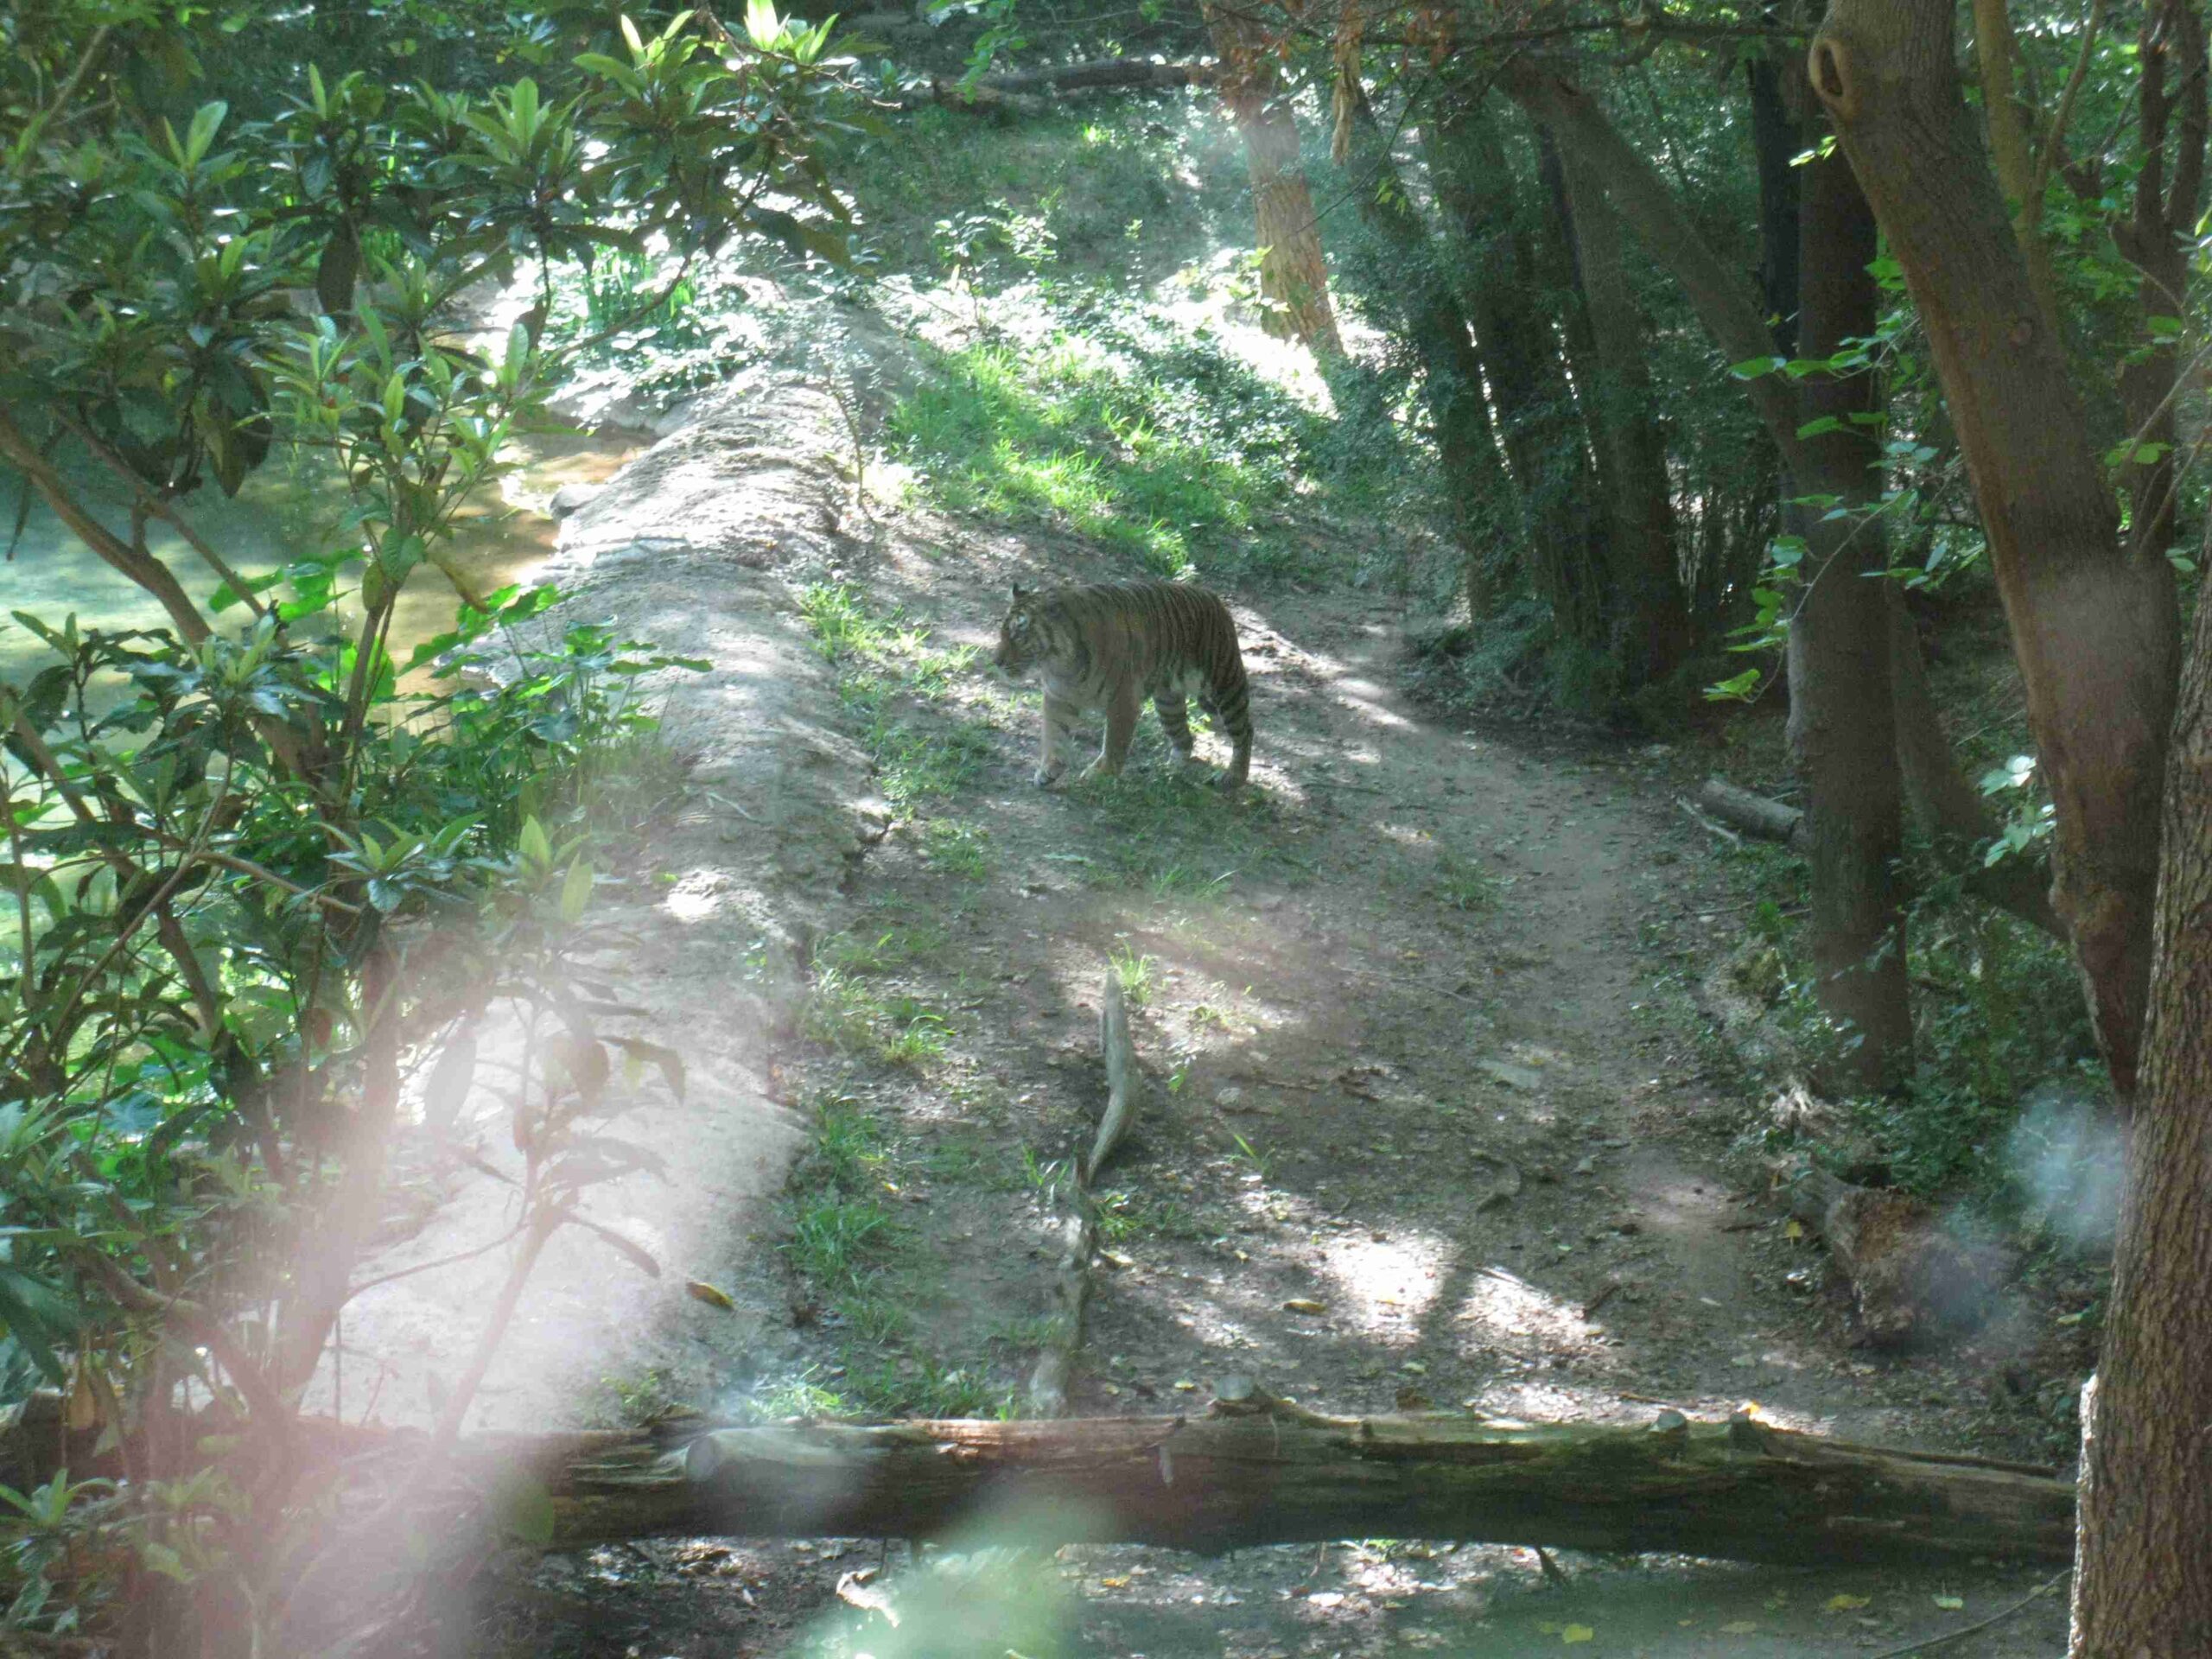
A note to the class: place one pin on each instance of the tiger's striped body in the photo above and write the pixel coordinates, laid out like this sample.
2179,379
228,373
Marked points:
1114,643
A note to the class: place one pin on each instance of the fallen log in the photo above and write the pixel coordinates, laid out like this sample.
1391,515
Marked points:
1754,815
1260,1471
1048,1380
1251,1470
1910,1278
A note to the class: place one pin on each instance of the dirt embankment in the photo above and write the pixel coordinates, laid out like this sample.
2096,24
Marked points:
693,547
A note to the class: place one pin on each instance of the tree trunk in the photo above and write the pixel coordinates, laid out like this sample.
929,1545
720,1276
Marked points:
1996,53
1842,724
1648,626
2143,1582
1294,274
2171,43
1778,136
2094,628
1574,573
1538,425
1451,374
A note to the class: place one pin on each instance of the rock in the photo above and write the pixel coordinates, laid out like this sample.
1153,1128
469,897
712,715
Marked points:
573,498
1512,1075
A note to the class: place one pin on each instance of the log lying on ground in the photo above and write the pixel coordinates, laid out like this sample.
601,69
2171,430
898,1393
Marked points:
1910,1279
1259,1471
1252,1470
1081,1229
1754,815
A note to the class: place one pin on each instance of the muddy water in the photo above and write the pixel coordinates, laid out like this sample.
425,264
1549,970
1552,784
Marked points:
288,509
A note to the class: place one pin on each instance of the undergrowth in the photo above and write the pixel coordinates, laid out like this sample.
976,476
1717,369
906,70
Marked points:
853,1254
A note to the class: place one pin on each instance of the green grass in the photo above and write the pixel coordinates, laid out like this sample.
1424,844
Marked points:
1160,832
844,1013
1153,445
895,688
956,847
850,1245
1464,885
1134,972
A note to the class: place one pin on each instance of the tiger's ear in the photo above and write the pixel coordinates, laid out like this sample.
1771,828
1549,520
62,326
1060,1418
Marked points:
1021,593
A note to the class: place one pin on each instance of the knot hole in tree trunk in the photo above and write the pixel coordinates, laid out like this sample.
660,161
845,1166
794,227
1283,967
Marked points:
1828,65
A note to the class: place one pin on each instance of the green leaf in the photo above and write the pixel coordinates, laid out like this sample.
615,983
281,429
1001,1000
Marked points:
575,893
670,1063
1752,368
537,851
525,1508
206,120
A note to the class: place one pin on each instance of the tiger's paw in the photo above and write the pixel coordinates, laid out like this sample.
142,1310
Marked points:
1046,776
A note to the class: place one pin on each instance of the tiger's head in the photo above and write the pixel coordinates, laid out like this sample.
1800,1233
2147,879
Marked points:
1023,636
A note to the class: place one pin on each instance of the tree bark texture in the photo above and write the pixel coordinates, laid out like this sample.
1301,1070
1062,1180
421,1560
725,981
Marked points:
1293,272
2094,628
1842,720
1778,136
2169,191
1571,575
1650,627
1996,54
1538,425
2144,1581
1724,300
1451,374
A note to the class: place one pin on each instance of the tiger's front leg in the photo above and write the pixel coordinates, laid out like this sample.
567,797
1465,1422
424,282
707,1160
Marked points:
1121,727
1059,715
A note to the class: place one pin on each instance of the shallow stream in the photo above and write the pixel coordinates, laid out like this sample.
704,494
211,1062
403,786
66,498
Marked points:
286,510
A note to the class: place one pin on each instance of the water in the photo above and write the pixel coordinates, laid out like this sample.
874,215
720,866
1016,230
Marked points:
289,508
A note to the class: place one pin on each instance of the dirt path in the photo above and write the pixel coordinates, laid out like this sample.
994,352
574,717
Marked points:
1395,1009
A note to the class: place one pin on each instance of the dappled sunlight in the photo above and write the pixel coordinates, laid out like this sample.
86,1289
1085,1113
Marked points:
1504,1310
1385,1285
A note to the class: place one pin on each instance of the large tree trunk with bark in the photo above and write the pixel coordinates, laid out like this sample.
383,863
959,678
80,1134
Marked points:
1293,273
2144,1581
1777,137
1842,725
1572,574
1648,627
1538,425
1451,374
2093,627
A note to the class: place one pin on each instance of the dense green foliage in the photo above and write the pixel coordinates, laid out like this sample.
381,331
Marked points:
253,876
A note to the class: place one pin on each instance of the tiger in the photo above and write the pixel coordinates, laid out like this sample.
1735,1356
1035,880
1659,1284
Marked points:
1111,644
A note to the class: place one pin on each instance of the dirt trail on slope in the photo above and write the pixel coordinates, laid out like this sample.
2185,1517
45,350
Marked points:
1394,1009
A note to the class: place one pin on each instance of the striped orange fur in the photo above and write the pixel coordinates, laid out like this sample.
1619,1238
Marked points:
1113,644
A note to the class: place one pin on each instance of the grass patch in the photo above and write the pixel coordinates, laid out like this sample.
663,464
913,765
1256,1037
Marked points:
896,689
844,1013
1462,884
1162,833
1150,443
956,847
852,1247
1134,974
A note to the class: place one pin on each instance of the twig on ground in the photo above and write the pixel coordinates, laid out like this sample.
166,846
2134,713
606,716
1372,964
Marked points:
1926,1643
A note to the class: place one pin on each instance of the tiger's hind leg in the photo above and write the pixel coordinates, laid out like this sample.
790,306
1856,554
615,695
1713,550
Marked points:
1232,711
1122,706
1174,720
